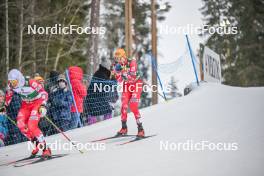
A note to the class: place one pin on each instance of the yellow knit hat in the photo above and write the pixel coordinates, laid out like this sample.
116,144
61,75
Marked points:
120,53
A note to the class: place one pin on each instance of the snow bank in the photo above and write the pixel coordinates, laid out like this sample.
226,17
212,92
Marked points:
213,113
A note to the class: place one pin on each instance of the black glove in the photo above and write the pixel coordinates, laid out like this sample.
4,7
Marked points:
118,67
3,109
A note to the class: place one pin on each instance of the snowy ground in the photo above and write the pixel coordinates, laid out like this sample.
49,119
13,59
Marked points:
214,113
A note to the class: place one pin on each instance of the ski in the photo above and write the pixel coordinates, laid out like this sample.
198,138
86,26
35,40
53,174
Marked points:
39,160
26,159
137,139
21,160
112,137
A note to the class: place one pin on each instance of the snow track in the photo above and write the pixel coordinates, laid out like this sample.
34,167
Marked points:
213,113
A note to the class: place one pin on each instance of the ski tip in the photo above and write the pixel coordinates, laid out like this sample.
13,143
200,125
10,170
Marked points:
39,160
152,135
111,137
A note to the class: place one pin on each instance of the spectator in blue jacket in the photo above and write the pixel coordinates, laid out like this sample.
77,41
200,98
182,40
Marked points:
3,129
60,101
3,120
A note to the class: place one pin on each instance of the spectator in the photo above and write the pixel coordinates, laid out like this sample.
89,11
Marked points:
50,86
3,120
51,83
14,134
98,105
79,92
60,104
39,79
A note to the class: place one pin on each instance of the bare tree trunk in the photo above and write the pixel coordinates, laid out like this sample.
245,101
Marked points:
55,66
47,52
34,57
154,50
128,27
93,58
7,36
47,57
20,47
58,56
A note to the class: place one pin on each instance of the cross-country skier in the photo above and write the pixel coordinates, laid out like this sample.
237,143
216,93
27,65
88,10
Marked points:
125,69
34,99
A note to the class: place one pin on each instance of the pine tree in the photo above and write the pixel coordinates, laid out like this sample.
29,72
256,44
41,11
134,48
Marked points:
174,90
243,52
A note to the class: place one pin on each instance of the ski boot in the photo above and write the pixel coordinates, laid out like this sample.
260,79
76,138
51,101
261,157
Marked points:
141,132
36,149
123,130
46,152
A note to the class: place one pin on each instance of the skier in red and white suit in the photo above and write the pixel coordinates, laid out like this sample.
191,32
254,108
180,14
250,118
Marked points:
34,98
126,71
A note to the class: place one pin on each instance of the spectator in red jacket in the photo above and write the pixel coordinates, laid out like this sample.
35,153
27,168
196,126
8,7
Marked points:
79,93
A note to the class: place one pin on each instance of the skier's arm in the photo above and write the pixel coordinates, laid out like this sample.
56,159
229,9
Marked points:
119,77
40,89
117,72
132,73
43,96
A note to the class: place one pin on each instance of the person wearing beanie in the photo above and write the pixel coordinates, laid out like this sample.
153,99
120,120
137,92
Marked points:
51,82
39,79
60,102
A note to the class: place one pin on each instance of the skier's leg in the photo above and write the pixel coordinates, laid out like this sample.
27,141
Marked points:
135,98
22,120
134,101
125,99
33,124
34,128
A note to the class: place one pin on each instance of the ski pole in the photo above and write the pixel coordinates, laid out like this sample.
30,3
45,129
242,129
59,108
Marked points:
14,123
11,120
154,66
59,130
192,58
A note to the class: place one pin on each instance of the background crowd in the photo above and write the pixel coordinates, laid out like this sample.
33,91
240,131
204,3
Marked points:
73,102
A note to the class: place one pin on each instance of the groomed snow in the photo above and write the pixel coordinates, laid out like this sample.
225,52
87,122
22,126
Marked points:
214,113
